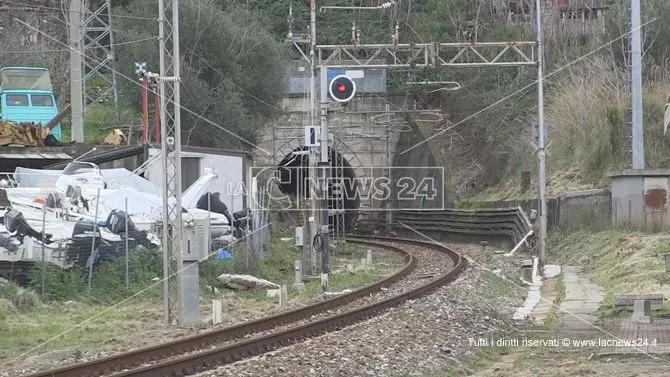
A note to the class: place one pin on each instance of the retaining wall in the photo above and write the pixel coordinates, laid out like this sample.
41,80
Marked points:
567,209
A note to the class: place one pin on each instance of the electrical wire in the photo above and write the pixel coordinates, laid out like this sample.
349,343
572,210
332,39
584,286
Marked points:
44,7
218,71
68,49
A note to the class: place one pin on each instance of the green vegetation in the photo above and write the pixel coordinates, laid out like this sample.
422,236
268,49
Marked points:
105,315
616,260
552,316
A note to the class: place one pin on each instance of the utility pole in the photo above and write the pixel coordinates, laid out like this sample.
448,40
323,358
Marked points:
636,86
541,154
312,158
169,83
76,77
389,204
90,59
324,166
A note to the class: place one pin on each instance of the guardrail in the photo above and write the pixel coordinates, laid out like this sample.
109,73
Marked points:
494,222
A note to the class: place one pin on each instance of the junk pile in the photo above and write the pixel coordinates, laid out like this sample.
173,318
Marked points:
26,134
70,204
78,247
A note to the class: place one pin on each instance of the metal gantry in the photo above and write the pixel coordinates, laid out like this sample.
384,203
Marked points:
425,55
91,62
409,56
98,52
169,84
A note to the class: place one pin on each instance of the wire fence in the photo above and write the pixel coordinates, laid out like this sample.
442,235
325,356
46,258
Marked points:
118,248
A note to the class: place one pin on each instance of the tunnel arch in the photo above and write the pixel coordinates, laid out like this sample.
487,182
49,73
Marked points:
293,173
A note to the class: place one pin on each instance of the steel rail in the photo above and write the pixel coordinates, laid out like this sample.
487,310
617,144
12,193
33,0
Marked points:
208,339
208,359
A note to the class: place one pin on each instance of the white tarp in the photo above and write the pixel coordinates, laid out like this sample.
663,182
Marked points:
116,179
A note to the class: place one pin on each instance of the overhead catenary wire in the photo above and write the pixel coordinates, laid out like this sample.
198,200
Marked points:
67,49
45,7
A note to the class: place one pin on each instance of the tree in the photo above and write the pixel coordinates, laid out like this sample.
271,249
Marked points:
231,69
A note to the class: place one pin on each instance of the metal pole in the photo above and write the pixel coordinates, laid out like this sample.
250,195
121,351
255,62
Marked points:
170,124
126,226
325,170
115,89
541,136
76,75
166,220
95,227
312,174
636,86
145,109
389,205
157,119
44,266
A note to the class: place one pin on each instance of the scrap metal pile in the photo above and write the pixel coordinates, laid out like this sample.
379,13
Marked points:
84,211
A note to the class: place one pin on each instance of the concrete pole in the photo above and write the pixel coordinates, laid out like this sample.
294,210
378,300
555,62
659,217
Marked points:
76,76
542,174
636,86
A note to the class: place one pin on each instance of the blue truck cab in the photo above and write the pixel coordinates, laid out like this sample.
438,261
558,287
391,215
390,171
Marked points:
26,95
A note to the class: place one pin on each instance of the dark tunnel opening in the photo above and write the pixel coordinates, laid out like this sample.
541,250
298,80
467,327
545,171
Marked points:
293,175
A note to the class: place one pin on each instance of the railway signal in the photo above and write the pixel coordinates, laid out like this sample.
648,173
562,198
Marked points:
342,88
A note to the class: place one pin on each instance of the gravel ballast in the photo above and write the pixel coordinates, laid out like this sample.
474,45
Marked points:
417,337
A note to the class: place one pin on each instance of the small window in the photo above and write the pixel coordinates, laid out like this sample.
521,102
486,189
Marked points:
41,100
17,100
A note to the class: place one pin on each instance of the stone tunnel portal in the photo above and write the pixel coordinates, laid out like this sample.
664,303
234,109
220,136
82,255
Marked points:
293,171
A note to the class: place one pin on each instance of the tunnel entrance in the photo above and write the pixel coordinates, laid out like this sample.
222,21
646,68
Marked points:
294,174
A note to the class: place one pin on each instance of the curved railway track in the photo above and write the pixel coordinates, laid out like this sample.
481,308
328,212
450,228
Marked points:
426,269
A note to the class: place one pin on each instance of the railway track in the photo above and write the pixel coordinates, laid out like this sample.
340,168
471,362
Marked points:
426,269
510,224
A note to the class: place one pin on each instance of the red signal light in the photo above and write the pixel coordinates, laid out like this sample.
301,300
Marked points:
342,88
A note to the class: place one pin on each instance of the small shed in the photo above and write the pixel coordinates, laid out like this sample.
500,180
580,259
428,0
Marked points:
640,199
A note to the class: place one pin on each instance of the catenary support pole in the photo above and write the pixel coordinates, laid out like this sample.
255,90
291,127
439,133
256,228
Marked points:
76,75
325,170
636,86
542,174
312,156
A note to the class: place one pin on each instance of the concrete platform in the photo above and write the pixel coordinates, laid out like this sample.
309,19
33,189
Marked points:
578,309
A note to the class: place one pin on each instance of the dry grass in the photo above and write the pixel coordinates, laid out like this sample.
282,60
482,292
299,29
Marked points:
617,261
588,113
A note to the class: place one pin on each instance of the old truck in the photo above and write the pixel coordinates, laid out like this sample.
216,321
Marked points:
26,95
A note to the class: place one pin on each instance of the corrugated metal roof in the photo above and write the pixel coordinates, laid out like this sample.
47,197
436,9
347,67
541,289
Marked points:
36,156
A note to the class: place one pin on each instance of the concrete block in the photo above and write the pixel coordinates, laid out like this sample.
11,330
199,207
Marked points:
299,286
627,300
298,271
350,268
369,257
324,282
217,312
641,311
283,296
